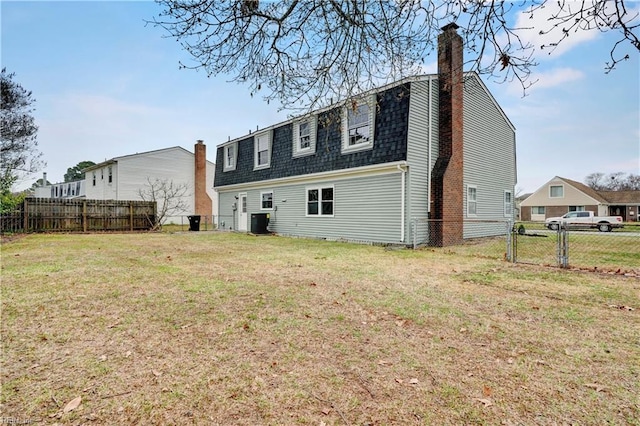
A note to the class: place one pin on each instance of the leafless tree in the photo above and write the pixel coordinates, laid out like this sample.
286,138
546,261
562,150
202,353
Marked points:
304,53
168,196
617,181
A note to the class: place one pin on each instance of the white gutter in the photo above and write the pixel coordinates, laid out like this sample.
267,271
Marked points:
375,169
403,169
429,150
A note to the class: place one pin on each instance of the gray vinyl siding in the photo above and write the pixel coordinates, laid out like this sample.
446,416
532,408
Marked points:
418,153
489,160
366,209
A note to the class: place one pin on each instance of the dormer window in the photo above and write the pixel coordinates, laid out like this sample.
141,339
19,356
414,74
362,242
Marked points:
230,157
262,150
304,136
358,124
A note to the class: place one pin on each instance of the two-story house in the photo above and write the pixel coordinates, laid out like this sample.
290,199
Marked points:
122,178
431,146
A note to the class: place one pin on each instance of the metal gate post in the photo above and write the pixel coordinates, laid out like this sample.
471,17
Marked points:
510,242
563,247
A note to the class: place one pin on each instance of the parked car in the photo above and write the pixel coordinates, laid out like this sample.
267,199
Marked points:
584,220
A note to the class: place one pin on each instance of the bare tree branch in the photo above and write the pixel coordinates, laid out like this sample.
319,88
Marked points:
168,196
305,53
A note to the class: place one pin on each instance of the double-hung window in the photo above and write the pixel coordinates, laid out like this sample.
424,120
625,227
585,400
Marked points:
320,201
266,200
262,150
538,210
304,136
110,174
508,204
472,200
230,157
358,125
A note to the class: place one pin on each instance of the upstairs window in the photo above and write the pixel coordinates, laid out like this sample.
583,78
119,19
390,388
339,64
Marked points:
358,125
556,191
230,157
94,178
110,174
262,150
320,201
304,136
472,200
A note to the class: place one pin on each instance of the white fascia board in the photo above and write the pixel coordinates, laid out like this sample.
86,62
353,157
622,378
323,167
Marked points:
376,169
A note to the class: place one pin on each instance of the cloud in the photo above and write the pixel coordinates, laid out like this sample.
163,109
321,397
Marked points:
539,29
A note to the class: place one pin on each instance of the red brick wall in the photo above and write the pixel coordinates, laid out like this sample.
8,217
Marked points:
203,205
447,185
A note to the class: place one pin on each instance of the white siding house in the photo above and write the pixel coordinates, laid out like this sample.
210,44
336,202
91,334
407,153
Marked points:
122,178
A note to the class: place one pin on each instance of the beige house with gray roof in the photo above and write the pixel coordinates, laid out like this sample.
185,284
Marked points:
561,195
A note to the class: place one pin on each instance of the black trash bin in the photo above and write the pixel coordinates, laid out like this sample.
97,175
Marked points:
259,223
194,223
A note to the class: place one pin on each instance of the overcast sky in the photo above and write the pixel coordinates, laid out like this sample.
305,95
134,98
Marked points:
106,85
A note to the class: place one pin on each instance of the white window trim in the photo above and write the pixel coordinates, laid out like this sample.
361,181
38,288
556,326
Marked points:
474,201
346,148
319,188
298,151
272,199
508,205
226,166
257,136
544,210
552,186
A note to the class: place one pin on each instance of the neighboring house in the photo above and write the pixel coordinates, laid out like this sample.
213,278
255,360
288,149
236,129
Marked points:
436,146
62,190
561,195
122,178
519,200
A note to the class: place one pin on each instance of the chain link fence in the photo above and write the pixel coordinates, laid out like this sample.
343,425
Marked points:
617,251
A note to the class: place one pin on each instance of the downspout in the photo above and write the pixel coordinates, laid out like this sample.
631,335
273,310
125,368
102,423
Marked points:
429,139
403,178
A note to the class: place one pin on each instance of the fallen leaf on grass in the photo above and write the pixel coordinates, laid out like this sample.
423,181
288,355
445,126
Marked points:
72,405
596,387
485,401
156,373
413,381
486,390
115,324
326,411
383,362
399,381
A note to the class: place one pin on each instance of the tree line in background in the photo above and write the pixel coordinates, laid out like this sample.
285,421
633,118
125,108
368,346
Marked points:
613,181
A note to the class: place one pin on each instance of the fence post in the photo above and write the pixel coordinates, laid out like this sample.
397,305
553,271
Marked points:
510,235
562,247
131,216
84,216
26,215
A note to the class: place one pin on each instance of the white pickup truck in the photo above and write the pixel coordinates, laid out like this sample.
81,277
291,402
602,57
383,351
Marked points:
584,220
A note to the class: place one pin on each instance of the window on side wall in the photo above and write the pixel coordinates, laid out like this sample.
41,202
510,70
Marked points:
556,191
230,157
262,150
304,136
94,178
472,200
110,174
508,204
320,201
266,200
358,124
576,208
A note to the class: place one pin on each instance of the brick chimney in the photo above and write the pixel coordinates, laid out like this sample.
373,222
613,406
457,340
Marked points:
202,200
447,186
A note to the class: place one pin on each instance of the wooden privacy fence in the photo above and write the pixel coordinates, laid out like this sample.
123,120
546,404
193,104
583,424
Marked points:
79,215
